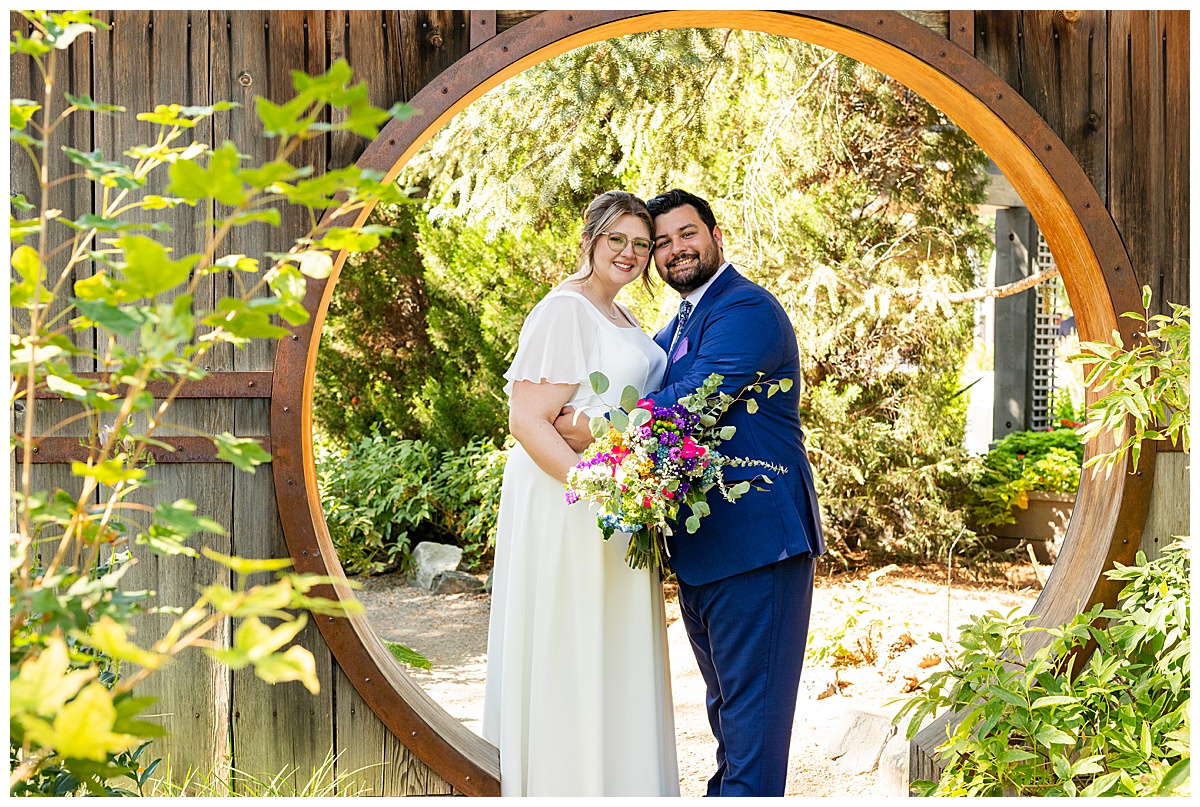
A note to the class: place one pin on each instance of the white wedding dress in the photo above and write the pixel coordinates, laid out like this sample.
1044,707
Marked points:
578,692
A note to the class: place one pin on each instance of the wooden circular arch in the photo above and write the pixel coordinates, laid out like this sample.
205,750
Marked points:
1109,512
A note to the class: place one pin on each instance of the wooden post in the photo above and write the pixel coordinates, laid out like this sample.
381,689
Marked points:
1016,254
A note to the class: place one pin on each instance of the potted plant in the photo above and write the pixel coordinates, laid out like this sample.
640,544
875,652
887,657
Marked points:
1026,490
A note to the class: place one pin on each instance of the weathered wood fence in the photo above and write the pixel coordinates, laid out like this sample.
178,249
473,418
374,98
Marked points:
1112,85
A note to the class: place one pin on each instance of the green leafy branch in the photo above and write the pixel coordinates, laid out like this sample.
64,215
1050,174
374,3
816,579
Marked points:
1148,383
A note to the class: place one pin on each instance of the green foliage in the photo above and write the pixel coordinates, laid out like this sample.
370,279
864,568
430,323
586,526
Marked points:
855,640
74,724
1024,461
838,189
1029,728
1031,722
1148,383
421,330
382,495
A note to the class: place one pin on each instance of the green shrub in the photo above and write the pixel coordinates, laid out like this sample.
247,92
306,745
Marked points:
1022,462
1028,728
382,495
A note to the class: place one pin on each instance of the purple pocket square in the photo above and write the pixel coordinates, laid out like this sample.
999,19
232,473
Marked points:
680,351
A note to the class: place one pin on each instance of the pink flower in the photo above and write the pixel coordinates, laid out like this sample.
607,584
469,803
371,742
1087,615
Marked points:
646,403
691,448
668,494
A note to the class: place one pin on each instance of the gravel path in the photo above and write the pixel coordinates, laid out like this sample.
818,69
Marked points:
451,631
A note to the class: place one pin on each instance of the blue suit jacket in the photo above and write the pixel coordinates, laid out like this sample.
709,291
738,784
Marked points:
738,330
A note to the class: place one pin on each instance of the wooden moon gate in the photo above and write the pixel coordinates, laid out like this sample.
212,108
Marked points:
1109,512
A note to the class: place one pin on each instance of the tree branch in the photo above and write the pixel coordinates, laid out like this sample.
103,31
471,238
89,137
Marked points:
1007,290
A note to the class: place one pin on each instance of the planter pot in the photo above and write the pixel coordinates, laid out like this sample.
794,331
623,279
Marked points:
1043,524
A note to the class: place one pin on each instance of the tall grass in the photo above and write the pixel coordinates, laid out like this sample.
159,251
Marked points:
217,784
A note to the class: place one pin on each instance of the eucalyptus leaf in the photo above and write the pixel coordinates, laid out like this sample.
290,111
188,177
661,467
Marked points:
598,426
629,398
599,382
639,417
619,419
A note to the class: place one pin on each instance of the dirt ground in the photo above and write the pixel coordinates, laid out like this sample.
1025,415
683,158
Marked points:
910,602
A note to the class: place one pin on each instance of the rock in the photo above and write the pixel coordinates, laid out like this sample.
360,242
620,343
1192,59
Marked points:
455,583
893,768
857,738
429,558
817,683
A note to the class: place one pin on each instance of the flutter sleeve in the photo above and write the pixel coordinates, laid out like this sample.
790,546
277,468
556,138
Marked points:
557,344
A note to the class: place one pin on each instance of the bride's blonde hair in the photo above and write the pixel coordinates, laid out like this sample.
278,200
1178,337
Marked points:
603,213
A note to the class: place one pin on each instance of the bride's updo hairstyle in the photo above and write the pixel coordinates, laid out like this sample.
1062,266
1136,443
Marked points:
601,215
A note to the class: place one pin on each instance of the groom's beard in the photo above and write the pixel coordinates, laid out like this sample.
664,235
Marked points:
687,280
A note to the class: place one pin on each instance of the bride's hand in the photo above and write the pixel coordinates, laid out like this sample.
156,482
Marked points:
573,426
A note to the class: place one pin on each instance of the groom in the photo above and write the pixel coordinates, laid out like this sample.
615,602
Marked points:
746,576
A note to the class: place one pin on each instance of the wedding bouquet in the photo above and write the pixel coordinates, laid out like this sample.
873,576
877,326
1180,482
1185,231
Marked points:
647,461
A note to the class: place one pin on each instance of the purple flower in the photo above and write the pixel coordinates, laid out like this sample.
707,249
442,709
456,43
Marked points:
572,497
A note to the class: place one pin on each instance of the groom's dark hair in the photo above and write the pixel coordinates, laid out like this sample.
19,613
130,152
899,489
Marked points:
666,202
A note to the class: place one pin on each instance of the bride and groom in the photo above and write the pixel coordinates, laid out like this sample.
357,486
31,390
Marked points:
578,691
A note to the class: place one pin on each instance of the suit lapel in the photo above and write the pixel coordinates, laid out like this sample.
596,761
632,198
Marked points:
701,311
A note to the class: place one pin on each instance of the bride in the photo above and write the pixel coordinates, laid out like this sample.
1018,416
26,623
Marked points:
578,692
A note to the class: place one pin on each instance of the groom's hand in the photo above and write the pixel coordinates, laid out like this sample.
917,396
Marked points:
572,426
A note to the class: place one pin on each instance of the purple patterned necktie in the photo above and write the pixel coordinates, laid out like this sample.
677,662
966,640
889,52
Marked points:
685,308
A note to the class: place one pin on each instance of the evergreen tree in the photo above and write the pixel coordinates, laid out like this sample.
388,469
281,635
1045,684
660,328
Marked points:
839,189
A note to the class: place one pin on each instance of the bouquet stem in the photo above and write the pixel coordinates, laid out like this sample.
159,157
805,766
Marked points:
646,549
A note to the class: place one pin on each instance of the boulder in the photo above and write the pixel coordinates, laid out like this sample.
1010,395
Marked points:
856,739
429,558
893,768
455,583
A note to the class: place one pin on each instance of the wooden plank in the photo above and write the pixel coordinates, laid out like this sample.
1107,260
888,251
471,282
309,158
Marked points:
430,41
1064,76
1137,144
366,39
936,21
359,738
193,692
281,726
997,35
483,27
405,775
507,18
253,54
1170,502
1175,283
73,74
138,66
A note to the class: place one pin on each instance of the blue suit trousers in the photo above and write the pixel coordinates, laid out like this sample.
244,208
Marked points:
748,632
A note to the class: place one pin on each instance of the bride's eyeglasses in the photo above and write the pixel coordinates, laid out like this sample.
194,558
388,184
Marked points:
617,242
